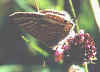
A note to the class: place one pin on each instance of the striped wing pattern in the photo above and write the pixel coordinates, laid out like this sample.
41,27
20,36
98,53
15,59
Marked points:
44,29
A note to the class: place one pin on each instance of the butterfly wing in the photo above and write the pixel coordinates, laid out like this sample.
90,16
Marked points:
46,30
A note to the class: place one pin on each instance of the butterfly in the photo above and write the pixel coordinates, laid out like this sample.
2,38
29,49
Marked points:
47,26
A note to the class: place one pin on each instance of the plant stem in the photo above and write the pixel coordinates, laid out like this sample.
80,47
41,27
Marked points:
74,14
85,67
36,4
72,7
96,11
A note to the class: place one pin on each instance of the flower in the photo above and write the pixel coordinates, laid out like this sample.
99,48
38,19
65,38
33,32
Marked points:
82,43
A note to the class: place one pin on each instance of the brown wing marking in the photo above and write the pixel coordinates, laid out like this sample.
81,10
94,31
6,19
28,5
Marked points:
47,30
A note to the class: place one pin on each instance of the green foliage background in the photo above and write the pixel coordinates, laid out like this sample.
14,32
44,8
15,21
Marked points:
84,14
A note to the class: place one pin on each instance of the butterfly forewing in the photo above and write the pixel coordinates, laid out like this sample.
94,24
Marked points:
45,29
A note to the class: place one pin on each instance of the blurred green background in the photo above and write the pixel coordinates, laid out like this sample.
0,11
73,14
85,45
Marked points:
17,56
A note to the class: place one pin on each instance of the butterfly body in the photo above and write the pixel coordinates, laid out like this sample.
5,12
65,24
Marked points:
46,26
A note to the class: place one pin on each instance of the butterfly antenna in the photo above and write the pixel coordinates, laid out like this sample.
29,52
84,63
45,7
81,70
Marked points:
36,5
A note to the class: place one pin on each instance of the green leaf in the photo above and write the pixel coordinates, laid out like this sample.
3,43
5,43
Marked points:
86,17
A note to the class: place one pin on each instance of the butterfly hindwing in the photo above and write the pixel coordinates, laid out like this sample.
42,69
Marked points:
44,29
